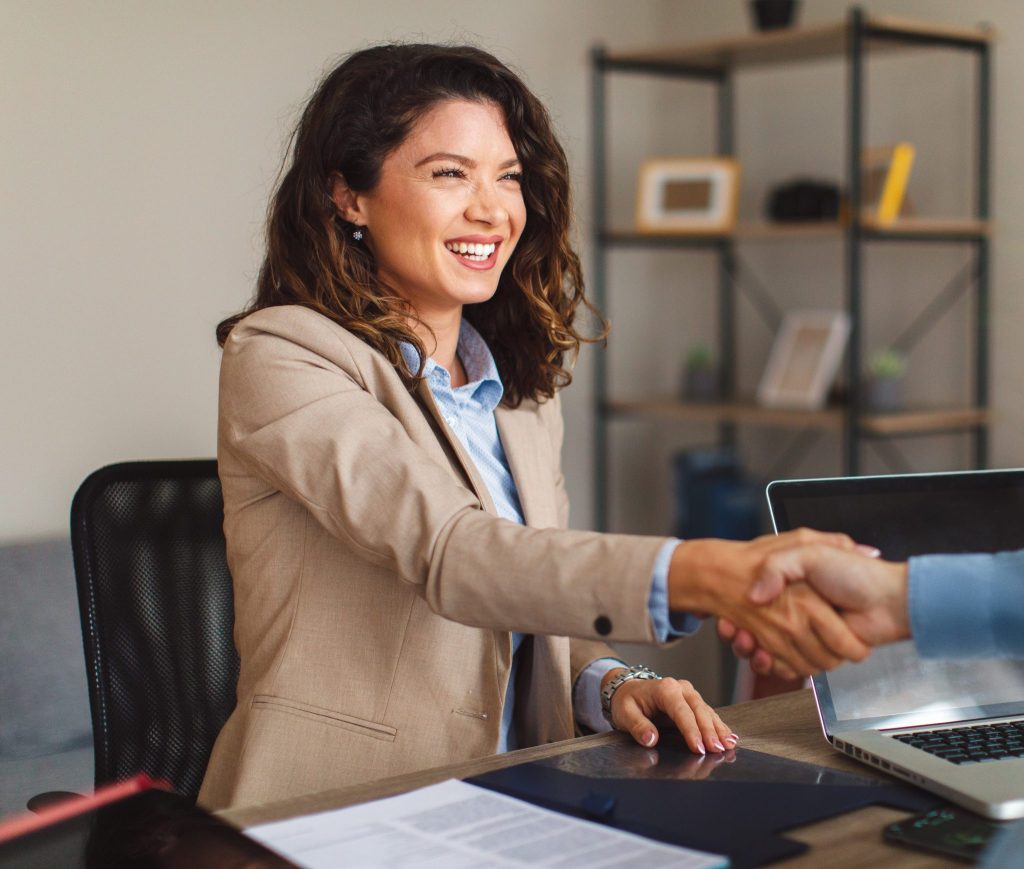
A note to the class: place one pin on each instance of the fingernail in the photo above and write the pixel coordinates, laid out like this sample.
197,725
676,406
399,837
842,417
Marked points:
733,738
869,551
648,738
718,745
700,748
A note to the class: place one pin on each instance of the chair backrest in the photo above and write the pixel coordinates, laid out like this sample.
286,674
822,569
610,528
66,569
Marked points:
157,612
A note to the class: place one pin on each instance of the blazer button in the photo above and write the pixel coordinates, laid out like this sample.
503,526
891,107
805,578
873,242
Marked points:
603,625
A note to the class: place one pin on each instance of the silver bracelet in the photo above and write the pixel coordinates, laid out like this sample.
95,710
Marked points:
637,671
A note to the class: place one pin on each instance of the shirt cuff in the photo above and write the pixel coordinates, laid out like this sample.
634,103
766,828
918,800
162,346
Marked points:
586,694
667,623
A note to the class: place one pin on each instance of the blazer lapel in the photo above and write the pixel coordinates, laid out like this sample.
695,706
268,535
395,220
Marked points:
521,439
469,471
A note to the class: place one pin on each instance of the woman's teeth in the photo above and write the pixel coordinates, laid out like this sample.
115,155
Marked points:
475,252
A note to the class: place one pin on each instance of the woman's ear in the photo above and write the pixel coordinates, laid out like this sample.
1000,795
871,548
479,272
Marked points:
346,200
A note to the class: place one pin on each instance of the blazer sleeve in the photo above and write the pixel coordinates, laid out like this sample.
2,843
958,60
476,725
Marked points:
296,410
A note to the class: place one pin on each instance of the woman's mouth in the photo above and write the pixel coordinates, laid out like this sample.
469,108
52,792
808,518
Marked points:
473,252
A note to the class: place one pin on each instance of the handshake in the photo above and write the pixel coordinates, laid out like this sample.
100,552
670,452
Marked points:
794,603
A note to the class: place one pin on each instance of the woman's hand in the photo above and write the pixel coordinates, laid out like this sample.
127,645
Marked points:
799,629
638,701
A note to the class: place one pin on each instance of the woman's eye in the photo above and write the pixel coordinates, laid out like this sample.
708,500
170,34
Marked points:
449,172
513,176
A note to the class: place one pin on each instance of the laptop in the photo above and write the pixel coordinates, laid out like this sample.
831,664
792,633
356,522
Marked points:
953,727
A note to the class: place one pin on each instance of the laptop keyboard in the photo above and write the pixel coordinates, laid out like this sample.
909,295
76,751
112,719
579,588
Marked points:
977,744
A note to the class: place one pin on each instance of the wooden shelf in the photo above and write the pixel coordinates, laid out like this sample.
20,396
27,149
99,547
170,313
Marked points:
930,228
742,412
915,421
781,231
800,43
925,420
632,238
923,229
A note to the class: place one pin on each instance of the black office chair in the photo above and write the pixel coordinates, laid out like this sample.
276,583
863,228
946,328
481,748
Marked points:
157,612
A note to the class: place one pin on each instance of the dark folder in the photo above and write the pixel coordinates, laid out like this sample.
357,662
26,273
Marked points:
739,804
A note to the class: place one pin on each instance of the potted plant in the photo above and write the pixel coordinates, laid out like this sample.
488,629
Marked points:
883,385
700,374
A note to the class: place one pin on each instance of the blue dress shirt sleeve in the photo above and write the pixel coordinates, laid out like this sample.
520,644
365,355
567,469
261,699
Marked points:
586,694
967,606
667,624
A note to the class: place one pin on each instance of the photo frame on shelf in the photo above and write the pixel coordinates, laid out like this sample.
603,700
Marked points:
884,177
804,359
683,195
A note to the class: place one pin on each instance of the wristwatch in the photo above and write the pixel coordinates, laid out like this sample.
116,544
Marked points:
637,671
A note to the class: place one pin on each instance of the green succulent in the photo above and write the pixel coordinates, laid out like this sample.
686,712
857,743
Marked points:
887,365
700,357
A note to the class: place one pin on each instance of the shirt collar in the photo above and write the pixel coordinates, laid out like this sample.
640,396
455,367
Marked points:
484,381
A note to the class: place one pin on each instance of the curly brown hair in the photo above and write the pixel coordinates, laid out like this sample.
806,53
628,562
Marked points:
361,112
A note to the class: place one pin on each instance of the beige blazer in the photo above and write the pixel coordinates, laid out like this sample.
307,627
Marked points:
375,588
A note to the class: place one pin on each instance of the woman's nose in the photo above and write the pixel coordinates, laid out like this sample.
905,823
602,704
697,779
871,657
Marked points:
485,206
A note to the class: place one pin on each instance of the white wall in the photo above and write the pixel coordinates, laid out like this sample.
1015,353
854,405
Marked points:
140,142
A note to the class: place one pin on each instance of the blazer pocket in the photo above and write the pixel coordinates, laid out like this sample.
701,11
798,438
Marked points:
324,716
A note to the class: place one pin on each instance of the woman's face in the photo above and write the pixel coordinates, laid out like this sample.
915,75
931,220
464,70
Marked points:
447,211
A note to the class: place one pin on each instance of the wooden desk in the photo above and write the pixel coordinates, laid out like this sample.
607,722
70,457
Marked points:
786,726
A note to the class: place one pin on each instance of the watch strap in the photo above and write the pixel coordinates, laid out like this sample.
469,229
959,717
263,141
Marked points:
637,671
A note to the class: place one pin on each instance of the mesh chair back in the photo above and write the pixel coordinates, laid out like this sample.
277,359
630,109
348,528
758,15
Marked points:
157,612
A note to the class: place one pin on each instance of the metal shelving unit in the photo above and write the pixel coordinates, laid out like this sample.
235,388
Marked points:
714,63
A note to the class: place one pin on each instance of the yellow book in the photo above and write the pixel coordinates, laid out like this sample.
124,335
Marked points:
895,186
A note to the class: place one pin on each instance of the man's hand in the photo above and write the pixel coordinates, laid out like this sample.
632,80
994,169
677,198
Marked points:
870,594
798,628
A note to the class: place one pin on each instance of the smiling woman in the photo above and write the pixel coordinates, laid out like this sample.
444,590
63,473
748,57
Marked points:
400,98
389,451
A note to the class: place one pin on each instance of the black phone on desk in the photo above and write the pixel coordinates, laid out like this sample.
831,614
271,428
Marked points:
949,830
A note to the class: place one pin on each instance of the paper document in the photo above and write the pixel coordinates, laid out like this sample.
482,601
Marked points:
455,824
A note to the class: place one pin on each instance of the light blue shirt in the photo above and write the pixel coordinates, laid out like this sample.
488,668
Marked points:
967,606
469,413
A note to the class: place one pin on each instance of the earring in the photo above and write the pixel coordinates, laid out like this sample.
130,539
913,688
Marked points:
357,234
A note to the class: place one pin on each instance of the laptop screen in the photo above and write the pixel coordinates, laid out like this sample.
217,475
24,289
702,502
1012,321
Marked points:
906,515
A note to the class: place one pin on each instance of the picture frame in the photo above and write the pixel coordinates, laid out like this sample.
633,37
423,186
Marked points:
684,195
885,173
804,359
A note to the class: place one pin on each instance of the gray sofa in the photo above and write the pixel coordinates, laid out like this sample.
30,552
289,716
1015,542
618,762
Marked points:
45,728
